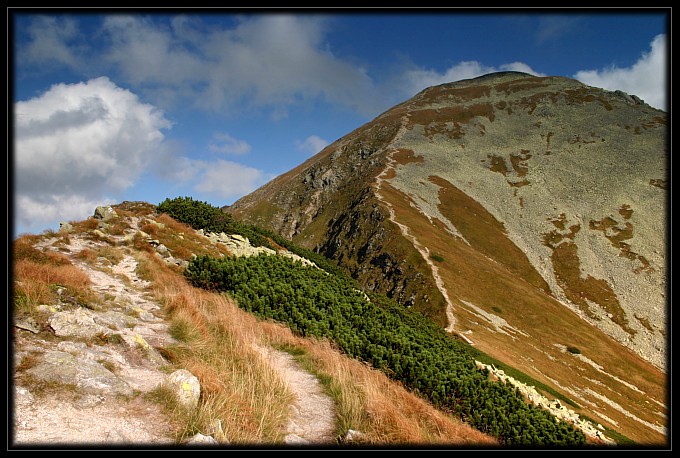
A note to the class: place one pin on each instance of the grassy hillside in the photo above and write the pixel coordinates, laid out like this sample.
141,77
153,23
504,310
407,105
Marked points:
216,339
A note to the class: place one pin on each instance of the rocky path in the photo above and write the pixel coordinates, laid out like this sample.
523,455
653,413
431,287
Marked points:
93,415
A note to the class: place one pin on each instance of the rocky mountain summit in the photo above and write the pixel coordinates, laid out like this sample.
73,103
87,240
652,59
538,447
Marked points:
525,214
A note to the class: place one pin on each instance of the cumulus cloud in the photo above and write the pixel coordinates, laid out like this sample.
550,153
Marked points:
645,79
312,145
171,166
76,144
221,180
418,79
226,144
226,179
33,213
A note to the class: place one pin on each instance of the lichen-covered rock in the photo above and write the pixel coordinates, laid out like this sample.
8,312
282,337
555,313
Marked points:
200,439
28,324
354,436
65,228
295,439
105,213
114,320
186,386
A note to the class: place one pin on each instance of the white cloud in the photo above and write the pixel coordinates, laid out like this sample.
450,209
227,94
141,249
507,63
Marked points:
226,144
35,212
173,168
520,67
270,60
312,145
418,79
226,179
75,144
645,79
221,180
146,54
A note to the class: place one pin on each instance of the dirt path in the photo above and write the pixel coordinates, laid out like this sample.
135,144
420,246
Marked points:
312,418
90,421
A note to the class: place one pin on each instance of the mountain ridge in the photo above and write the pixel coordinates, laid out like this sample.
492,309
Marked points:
534,193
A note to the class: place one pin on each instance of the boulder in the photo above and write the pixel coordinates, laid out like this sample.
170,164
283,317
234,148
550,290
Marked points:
105,213
186,386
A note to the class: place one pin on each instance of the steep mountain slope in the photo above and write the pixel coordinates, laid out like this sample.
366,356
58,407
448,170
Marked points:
524,214
103,318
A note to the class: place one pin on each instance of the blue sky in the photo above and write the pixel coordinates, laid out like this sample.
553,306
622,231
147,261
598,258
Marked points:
114,105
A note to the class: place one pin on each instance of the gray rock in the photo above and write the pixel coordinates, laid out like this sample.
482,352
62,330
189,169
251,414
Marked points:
200,439
28,324
354,436
295,439
115,320
22,396
239,238
65,228
99,233
76,323
87,375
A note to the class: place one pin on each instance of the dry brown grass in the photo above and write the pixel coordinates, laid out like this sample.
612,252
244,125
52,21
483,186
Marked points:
403,156
248,396
85,225
484,232
239,388
368,401
450,120
521,84
580,289
37,276
181,239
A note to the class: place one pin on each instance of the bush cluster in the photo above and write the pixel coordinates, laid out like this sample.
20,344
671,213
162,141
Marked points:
402,343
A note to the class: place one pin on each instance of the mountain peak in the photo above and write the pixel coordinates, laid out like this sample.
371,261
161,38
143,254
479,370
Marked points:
524,214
